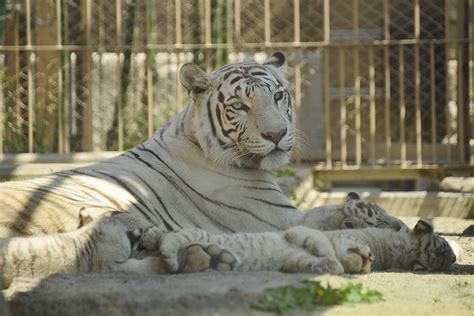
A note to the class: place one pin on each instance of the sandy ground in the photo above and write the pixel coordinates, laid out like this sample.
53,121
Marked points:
233,293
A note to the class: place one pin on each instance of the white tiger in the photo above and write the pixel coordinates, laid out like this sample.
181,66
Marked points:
206,169
302,249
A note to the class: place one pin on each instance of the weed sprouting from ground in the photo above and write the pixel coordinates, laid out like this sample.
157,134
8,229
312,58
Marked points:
311,294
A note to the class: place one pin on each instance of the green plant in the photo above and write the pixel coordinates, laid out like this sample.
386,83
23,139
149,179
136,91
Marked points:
284,173
312,295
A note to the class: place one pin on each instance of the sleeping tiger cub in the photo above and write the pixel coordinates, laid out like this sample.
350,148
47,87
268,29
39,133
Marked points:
298,249
302,249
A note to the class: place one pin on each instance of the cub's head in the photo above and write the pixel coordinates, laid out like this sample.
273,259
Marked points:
361,214
244,113
431,252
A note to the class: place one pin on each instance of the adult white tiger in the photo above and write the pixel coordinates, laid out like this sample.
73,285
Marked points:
206,169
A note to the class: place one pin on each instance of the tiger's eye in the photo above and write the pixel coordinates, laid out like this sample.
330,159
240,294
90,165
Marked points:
278,96
240,107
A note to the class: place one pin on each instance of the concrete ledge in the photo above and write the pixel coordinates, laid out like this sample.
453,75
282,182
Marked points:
419,203
378,173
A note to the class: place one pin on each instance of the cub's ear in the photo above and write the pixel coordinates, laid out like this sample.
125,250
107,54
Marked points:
352,196
84,217
194,79
423,227
277,60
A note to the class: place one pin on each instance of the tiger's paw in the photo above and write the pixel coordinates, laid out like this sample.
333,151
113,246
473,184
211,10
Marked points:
150,239
199,258
357,259
325,265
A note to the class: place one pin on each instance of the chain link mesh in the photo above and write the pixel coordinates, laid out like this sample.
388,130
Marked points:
102,75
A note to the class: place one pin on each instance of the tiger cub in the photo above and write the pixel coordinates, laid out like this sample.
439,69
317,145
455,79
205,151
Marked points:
353,213
105,240
302,249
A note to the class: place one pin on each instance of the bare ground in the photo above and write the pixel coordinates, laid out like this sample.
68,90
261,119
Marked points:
233,293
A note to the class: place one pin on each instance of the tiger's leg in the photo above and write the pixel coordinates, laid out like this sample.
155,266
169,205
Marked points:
189,250
317,246
303,262
354,256
311,240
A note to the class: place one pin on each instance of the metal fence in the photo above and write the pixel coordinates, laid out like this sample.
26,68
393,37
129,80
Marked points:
376,83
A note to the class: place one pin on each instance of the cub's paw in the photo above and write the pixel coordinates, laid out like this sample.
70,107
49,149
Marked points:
325,265
198,258
357,259
150,239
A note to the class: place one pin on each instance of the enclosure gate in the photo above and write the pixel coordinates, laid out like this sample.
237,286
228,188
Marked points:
376,83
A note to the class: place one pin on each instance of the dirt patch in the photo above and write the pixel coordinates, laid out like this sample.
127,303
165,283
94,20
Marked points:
233,293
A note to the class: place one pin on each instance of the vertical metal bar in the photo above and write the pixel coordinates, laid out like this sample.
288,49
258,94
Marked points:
178,23
358,119
207,10
448,79
237,17
31,60
60,78
2,100
229,30
386,20
118,39
72,128
149,87
471,68
16,97
87,127
149,71
267,23
419,158
355,21
357,101
297,21
327,114
327,22
297,68
401,76
68,86
416,18
433,104
208,25
387,98
101,22
461,99
372,104
342,103
179,88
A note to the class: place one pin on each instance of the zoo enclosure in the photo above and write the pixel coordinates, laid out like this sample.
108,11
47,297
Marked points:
376,83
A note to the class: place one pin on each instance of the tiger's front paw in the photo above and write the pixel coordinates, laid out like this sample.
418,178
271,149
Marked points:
150,239
198,258
326,265
357,259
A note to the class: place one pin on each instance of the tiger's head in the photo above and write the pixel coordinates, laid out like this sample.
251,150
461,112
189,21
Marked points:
244,112
360,214
430,251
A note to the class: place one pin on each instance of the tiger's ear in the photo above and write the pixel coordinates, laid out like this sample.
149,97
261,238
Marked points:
277,60
194,79
422,227
352,196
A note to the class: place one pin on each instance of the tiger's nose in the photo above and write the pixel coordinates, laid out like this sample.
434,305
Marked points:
274,136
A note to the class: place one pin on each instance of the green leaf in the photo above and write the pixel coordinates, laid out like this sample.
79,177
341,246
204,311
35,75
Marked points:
311,294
